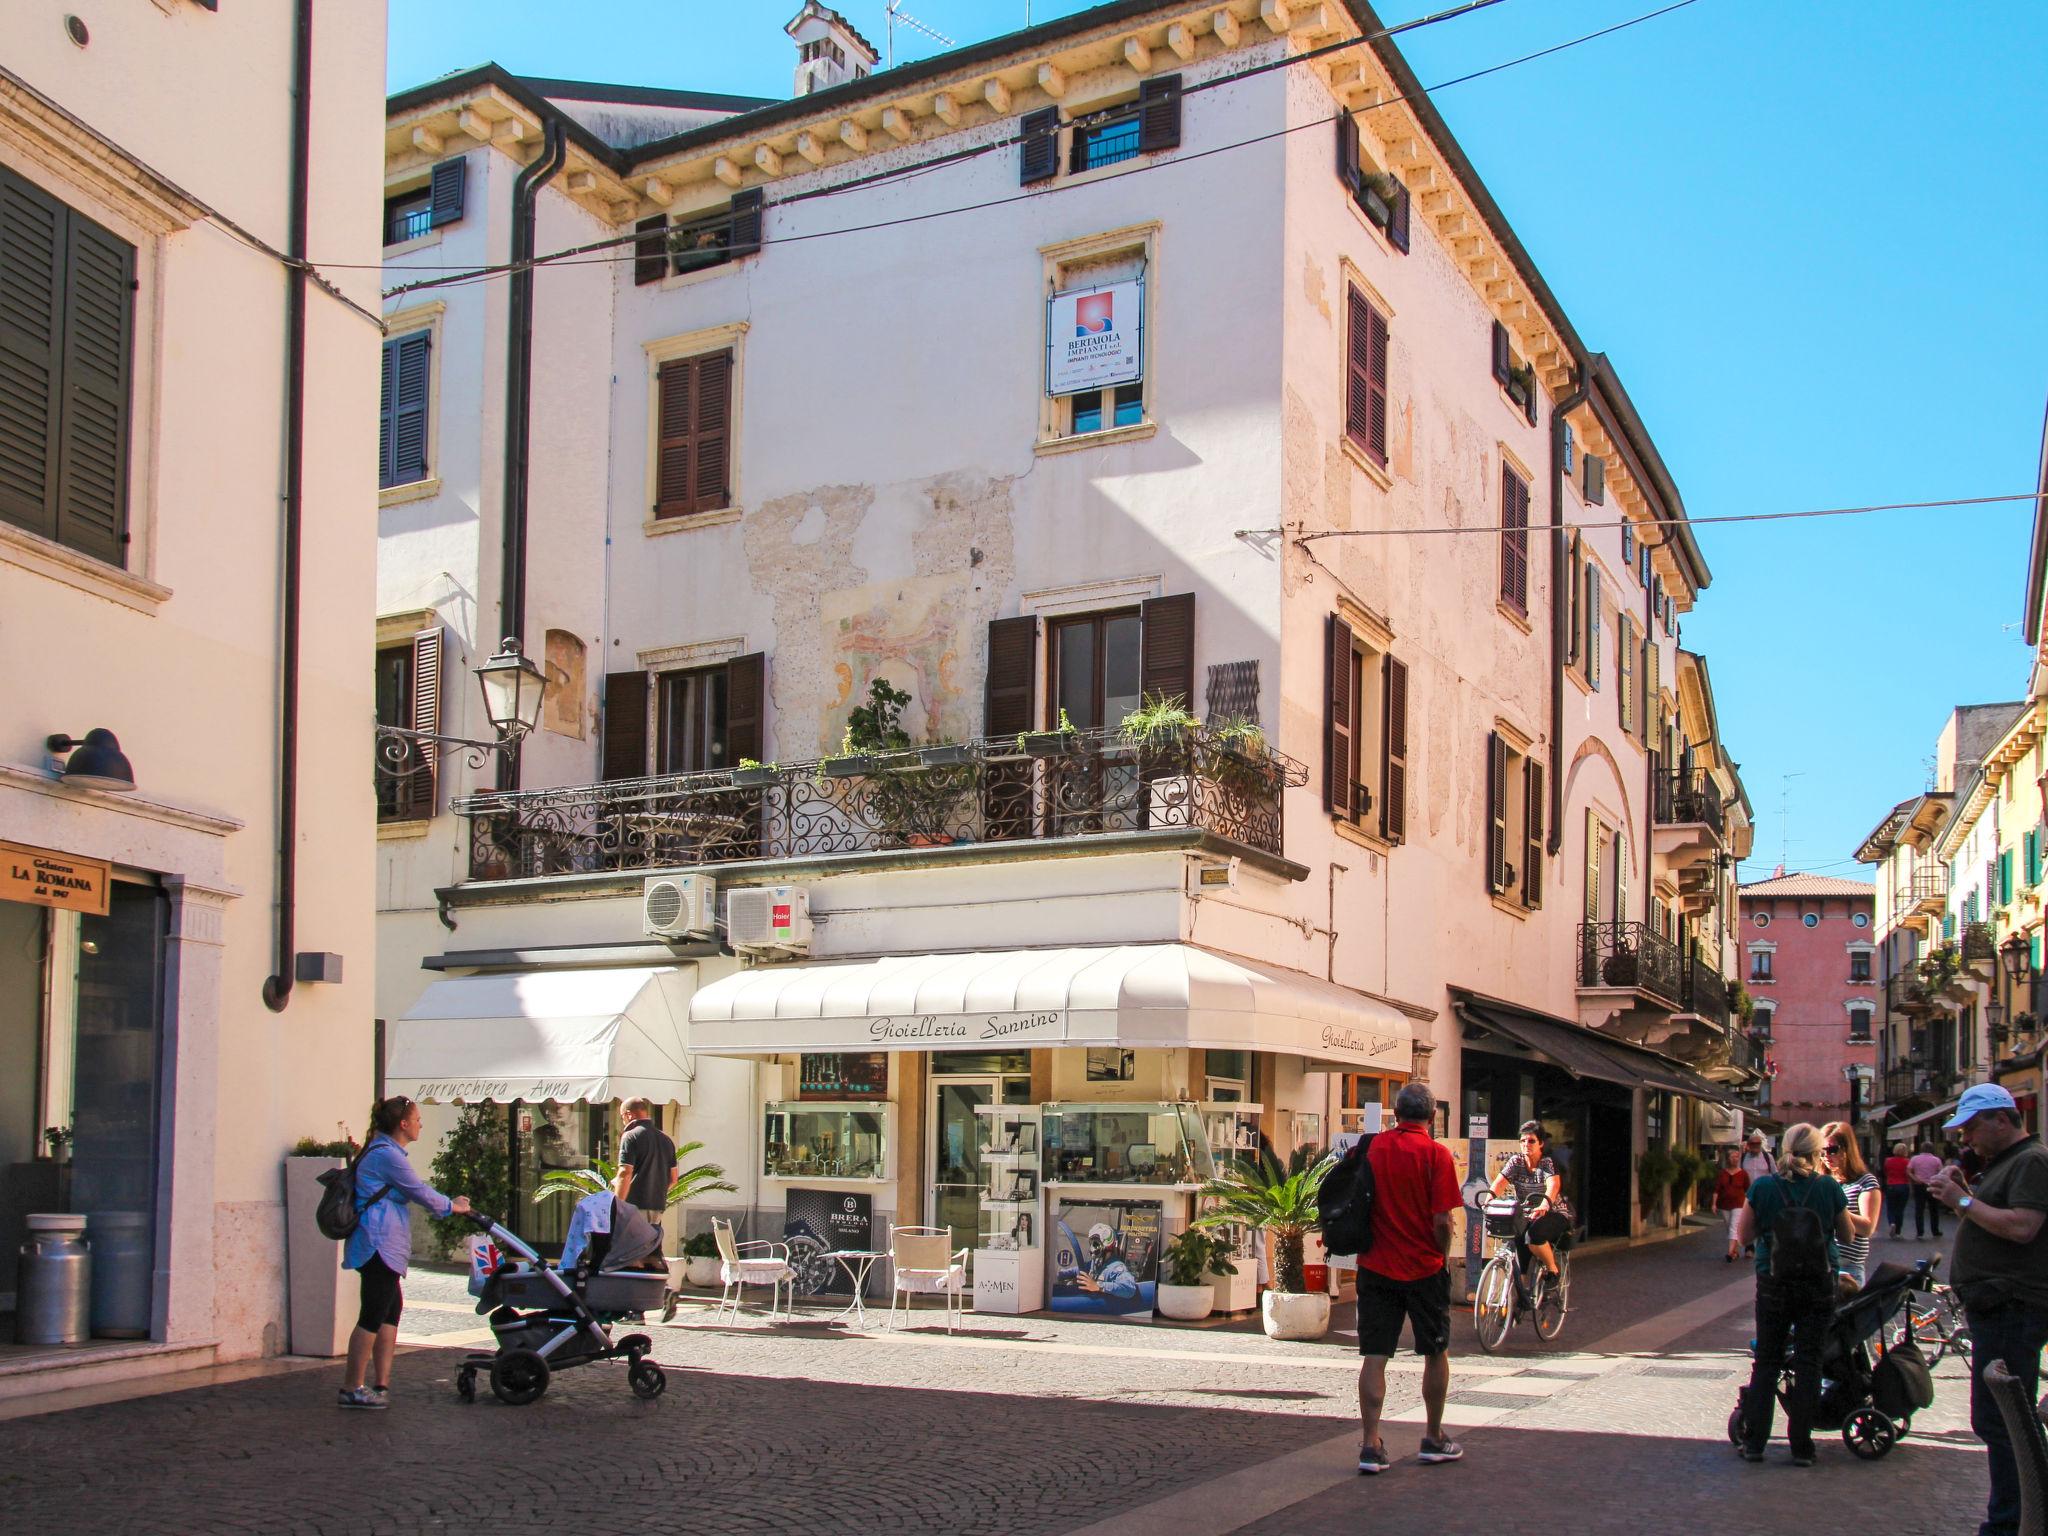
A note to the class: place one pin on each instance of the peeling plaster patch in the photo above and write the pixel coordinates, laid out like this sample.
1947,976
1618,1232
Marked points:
810,528
1440,787
795,576
1312,285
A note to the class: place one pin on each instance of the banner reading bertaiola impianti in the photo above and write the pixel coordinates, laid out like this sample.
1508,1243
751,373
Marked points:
814,1223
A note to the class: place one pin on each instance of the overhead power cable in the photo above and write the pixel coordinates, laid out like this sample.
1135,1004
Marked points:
1649,522
576,256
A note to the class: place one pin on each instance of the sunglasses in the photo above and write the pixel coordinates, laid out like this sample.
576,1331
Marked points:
1835,1149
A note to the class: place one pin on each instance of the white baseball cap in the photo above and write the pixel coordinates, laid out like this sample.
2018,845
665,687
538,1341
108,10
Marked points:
1978,1099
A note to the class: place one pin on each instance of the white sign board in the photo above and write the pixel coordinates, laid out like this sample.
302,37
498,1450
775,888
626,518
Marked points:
1095,337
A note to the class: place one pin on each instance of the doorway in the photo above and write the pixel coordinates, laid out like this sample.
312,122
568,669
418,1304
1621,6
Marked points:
954,1156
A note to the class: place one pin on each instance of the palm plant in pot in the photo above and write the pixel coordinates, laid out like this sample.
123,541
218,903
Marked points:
1185,1294
1258,1192
702,1179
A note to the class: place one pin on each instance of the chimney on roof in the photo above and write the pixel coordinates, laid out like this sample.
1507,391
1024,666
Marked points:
828,50
1778,873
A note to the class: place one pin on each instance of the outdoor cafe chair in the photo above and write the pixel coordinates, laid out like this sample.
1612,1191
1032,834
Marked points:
754,1263
924,1267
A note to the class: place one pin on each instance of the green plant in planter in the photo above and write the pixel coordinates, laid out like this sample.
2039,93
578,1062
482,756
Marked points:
307,1146
1655,1170
873,727
704,1179
473,1160
1194,1256
1061,738
703,1246
1258,1192
1159,720
1689,1169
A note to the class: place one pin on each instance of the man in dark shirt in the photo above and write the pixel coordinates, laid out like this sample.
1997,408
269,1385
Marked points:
2000,1271
647,1161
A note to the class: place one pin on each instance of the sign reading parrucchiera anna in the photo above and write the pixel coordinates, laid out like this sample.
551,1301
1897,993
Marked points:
46,879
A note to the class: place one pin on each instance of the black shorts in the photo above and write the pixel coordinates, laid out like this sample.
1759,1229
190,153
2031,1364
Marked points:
383,1299
1383,1305
1548,1228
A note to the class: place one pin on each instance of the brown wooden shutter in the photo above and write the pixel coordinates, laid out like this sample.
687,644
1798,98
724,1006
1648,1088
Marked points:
650,249
1397,218
1503,362
444,190
1532,840
1348,156
1496,813
710,486
1339,728
1596,479
677,386
409,361
625,725
1012,671
1159,114
387,397
92,474
1394,750
1365,404
1166,648
1038,146
1514,539
745,239
1575,601
746,695
1376,385
417,794
1592,625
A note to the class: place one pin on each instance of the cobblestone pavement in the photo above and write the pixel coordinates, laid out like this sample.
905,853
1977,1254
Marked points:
1010,1425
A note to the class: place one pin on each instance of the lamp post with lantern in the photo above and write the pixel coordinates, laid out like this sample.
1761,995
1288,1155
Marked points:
514,691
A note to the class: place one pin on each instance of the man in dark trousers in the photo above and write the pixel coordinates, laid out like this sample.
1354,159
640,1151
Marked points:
2000,1271
1402,1277
647,1161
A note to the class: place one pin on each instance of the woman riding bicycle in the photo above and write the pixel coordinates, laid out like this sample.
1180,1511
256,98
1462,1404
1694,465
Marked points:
1535,1181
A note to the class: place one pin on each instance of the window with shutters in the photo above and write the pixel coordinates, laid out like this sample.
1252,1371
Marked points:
695,395
1514,539
690,721
1625,673
1593,480
700,242
1120,412
406,429
1365,727
1379,197
1365,376
1516,377
1592,605
414,209
67,326
1108,135
1628,543
1515,810
408,697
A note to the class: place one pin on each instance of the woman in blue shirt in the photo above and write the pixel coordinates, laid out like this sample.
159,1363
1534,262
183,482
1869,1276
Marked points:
381,1245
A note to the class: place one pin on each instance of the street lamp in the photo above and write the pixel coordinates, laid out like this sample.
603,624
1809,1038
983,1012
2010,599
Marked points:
2014,953
513,690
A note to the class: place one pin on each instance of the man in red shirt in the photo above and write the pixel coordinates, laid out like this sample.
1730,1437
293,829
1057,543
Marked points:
1403,1274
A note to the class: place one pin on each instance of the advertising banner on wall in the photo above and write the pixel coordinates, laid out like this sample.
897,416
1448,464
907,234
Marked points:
817,1221
1095,337
1105,1256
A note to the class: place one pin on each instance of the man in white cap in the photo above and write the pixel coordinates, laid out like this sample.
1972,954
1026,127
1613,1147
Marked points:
2000,1271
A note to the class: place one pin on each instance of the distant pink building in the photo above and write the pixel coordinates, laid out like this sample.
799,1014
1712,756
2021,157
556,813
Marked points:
1808,959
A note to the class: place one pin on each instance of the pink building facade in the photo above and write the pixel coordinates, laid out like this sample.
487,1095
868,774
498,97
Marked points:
1809,962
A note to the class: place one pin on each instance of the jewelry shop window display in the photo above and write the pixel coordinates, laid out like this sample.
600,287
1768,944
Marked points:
1120,1181
825,1141
1009,1266
1232,1130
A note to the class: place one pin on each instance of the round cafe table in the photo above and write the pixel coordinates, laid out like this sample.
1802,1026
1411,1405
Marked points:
857,1262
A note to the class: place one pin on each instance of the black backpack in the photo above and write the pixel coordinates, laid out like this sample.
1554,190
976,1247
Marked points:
1344,1202
1799,1240
338,1215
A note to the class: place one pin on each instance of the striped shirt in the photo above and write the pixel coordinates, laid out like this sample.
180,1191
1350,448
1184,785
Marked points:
1856,1250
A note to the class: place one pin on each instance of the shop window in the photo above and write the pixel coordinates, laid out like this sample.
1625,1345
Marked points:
979,1063
1126,1144
548,1138
824,1141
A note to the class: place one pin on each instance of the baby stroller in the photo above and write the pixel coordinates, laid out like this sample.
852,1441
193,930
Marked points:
1871,1404
549,1318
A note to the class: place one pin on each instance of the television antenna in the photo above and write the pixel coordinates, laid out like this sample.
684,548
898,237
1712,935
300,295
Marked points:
1785,816
897,15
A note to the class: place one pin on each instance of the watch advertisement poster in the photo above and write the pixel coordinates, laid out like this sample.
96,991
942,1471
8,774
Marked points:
1095,337
817,1221
1105,1256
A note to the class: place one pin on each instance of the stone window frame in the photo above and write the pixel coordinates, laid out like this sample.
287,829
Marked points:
1054,259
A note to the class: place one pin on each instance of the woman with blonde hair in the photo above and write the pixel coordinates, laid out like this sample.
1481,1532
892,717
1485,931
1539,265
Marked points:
1841,1157
1797,1219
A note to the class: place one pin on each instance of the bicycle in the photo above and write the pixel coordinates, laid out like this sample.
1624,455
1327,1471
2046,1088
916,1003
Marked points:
1936,1322
1499,1297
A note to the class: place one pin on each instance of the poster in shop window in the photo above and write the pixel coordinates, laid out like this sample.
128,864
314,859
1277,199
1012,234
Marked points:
815,1222
1105,1256
1095,337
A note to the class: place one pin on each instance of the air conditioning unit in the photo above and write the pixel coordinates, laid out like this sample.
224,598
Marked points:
768,920
679,906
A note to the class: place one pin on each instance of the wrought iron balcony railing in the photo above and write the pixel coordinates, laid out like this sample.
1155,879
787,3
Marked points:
1746,1051
1046,785
1630,955
1924,888
1690,797
1977,942
1706,991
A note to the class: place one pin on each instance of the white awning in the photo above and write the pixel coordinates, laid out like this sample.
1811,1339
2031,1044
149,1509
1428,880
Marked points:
596,1035
1943,1110
1146,996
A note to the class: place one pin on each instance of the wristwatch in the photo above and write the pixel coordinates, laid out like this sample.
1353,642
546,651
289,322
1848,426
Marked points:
1963,1205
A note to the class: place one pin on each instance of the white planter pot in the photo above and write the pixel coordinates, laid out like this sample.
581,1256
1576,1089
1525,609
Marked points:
700,1271
323,1299
1185,1303
1295,1314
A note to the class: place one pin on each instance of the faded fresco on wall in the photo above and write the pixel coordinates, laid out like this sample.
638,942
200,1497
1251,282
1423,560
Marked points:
915,633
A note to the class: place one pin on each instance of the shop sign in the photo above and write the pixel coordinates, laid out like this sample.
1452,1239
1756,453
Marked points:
818,1222
62,880
952,1028
1095,337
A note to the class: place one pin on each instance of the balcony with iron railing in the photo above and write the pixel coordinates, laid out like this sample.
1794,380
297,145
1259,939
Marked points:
1691,821
993,791
1630,956
1918,899
1977,944
1705,991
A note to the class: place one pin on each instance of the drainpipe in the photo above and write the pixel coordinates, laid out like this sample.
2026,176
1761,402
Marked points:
519,395
277,988
1560,602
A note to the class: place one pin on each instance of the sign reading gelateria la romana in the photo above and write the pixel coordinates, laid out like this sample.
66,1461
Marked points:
46,879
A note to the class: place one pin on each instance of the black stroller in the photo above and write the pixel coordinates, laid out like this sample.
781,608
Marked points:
547,1319
1871,1404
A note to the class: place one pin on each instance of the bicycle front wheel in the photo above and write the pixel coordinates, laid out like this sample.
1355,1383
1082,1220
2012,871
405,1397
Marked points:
1555,1301
1493,1304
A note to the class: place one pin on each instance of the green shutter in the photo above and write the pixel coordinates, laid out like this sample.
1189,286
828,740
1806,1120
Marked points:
92,477
31,352
2005,878
2034,858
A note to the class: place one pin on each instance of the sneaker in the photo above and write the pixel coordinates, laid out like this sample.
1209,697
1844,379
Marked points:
1801,1458
359,1397
382,1394
1373,1459
1752,1453
1445,1449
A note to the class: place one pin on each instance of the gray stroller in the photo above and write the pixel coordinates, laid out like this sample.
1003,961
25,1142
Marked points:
547,1319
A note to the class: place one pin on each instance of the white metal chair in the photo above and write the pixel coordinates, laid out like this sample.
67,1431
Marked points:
755,1263
924,1267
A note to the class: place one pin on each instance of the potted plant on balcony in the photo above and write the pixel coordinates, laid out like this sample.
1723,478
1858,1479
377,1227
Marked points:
1261,1194
752,774
1163,731
1063,740
1243,765
1377,194
1621,967
1192,1260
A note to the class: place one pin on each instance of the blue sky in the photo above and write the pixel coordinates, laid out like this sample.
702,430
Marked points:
1809,236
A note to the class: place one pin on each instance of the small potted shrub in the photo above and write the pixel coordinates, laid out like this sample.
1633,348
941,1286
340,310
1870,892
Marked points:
1062,740
752,774
321,1320
1260,1193
1185,1294
700,1260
